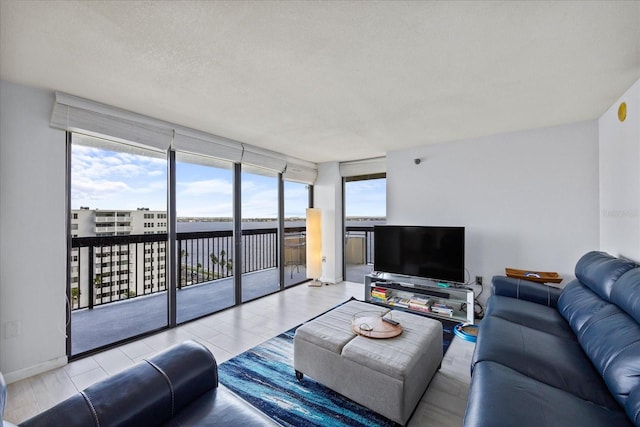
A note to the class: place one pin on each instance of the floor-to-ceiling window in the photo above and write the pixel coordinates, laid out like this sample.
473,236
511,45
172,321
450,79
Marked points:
364,206
204,240
167,224
118,202
259,245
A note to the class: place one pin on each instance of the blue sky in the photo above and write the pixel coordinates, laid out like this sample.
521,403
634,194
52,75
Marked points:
103,178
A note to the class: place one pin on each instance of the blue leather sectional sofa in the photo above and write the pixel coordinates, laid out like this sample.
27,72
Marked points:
178,387
551,357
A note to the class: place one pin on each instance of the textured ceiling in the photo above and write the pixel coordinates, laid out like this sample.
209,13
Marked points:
326,81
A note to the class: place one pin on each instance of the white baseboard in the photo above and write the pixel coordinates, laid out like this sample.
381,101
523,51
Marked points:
12,377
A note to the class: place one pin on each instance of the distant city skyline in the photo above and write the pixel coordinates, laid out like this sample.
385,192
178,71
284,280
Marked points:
106,175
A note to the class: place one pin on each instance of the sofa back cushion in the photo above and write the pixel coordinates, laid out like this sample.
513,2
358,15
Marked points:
626,293
578,304
148,393
596,273
603,308
611,339
190,370
632,407
599,271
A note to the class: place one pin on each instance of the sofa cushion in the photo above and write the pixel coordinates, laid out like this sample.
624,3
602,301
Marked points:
577,304
396,357
611,339
73,412
525,290
626,293
599,271
548,358
501,396
632,406
538,316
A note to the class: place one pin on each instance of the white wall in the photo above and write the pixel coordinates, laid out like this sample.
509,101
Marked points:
32,234
620,177
327,195
528,199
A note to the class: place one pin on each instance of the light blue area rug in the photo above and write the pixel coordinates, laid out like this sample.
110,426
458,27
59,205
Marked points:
264,376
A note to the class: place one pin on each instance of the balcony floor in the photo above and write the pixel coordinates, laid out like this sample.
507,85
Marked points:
118,321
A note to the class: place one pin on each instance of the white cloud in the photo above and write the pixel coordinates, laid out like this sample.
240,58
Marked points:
205,187
116,180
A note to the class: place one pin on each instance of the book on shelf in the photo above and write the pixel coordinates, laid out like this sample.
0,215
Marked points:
399,302
419,300
448,312
419,303
419,307
380,293
443,309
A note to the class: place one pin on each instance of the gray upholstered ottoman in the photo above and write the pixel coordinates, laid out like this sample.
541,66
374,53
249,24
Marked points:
388,376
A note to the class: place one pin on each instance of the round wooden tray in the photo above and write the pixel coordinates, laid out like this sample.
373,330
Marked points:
374,327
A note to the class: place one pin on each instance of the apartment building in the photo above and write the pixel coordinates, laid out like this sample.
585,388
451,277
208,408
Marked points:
118,275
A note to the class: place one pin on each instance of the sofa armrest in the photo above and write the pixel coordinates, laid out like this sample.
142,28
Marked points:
525,290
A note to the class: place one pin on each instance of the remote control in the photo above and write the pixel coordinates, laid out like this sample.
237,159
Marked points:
390,321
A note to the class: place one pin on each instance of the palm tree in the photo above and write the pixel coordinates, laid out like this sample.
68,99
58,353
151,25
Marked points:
225,265
183,268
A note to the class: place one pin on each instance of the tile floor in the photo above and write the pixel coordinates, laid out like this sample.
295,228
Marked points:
231,332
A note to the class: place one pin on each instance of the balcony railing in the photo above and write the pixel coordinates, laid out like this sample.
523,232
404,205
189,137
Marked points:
134,265
114,268
359,245
114,229
101,219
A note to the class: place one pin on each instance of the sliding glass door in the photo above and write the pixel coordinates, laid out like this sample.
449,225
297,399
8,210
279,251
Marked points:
118,283
204,240
259,245
296,201
365,205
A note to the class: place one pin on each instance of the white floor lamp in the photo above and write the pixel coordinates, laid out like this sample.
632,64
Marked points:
314,246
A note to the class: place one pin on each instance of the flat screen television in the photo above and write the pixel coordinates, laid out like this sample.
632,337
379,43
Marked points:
431,252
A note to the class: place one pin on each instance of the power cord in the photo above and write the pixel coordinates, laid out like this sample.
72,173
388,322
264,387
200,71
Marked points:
478,309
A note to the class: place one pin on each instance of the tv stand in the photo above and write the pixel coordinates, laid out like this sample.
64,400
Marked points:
419,295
